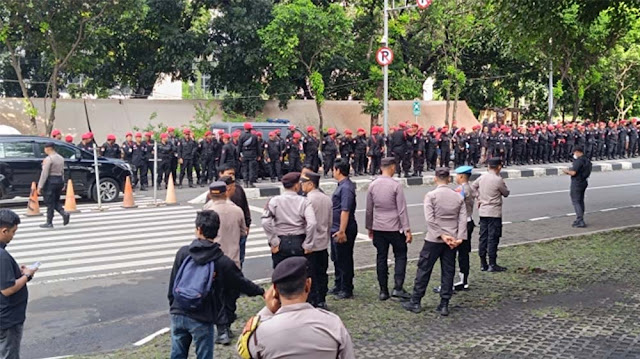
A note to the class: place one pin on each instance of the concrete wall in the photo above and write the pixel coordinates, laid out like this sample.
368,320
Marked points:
119,116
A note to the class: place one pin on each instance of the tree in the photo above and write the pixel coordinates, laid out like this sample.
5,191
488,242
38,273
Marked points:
302,38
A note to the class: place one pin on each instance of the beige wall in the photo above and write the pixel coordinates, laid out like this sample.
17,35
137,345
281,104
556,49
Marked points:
119,116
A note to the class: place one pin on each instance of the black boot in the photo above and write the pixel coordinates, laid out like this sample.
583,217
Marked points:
384,294
65,218
494,267
443,307
483,264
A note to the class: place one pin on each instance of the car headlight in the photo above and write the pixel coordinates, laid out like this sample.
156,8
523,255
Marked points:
125,166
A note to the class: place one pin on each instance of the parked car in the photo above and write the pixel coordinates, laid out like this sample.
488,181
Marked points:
21,163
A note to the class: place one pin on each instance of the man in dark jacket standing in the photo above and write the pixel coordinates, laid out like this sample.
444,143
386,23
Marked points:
197,324
249,153
187,149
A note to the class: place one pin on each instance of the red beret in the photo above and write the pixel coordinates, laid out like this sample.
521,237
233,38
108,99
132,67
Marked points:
292,127
170,129
186,131
138,134
415,125
348,132
444,130
623,122
236,134
128,134
221,132
247,126
164,135
531,129
226,135
402,125
310,129
331,131
55,132
393,128
431,129
90,134
259,134
374,130
111,137
558,126
148,134
272,133
208,133
253,132
634,120
297,135
503,127
86,136
360,129
550,127
277,131
508,129
69,138
462,129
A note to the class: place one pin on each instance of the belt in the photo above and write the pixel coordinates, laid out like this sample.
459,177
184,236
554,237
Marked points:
301,237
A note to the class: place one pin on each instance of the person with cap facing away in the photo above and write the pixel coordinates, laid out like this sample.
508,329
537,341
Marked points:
288,220
329,151
232,227
194,269
56,134
580,171
489,190
187,149
446,216
344,229
292,151
110,149
387,221
311,145
166,151
316,247
288,326
249,155
87,142
228,153
51,183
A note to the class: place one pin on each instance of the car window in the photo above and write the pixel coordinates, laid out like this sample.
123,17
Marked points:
16,150
66,152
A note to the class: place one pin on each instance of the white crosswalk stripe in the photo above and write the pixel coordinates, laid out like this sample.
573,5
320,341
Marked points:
113,241
140,199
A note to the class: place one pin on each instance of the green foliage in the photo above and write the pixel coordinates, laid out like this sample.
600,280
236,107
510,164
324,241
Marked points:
317,86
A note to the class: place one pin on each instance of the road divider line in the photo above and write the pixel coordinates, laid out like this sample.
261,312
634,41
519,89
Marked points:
150,337
539,219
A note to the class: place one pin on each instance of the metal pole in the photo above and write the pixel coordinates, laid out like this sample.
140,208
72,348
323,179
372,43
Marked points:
550,89
385,41
95,167
155,173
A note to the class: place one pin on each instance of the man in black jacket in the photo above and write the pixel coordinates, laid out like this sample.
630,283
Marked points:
239,198
197,325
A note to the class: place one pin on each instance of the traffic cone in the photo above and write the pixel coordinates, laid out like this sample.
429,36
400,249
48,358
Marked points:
70,199
170,200
33,207
128,201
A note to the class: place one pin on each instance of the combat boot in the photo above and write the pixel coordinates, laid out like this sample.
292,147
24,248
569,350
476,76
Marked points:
443,307
483,264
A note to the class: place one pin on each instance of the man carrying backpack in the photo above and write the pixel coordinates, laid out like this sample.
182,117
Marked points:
200,274
579,172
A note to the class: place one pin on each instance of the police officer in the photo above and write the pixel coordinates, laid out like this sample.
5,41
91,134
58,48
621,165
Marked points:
474,146
110,149
432,148
310,332
360,152
490,189
409,150
87,142
262,169
459,141
139,162
329,151
419,148
165,156
579,172
310,145
622,139
208,147
446,218
397,145
51,183
292,151
229,152
347,146
633,139
173,139
445,147
387,221
519,146
187,148
149,141
249,151
375,143
492,143
612,140
56,134
127,148
288,219
273,148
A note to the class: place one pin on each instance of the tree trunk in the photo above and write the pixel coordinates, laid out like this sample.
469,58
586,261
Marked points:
54,101
321,120
447,97
456,93
15,63
373,122
576,105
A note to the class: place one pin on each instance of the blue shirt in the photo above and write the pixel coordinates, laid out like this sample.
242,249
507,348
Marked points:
13,308
344,199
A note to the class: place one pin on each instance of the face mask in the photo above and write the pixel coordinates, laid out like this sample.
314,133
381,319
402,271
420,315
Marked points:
575,157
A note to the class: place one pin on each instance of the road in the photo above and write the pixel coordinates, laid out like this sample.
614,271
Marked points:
103,280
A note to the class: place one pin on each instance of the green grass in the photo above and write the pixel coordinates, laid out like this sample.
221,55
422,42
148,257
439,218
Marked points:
535,270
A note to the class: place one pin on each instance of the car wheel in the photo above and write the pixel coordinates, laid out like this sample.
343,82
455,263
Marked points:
109,190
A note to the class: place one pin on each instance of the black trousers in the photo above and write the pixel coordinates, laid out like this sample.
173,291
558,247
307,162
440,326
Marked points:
164,169
375,165
249,169
397,241
312,160
318,265
445,157
429,254
418,162
576,192
208,169
51,193
294,164
432,158
397,158
275,169
359,163
174,168
490,233
140,174
474,156
406,162
186,168
342,257
633,143
463,251
328,160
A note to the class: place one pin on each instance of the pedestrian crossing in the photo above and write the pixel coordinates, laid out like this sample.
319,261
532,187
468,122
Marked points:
112,242
140,199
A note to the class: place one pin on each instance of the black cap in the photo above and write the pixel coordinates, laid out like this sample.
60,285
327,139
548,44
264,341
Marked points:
227,180
218,187
388,161
494,162
310,177
49,145
290,179
578,148
442,172
290,269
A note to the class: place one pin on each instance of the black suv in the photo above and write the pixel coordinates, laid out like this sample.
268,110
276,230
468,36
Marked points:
21,163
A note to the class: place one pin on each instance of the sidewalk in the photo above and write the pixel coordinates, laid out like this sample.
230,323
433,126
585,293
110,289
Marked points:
569,298
269,189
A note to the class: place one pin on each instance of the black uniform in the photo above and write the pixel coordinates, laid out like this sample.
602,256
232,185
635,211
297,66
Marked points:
292,150
582,167
633,141
166,153
431,142
273,153
347,148
376,151
187,149
174,161
519,144
127,150
445,149
329,153
622,141
474,148
229,155
360,155
419,147
86,147
249,150
612,142
139,163
110,151
311,145
208,150
398,144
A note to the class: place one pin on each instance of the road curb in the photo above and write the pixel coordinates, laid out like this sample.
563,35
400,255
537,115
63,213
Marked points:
428,180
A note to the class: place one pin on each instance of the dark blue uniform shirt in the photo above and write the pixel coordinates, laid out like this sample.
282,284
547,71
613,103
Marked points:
344,199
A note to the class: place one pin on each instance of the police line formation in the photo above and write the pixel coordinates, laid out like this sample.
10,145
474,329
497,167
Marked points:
305,227
413,148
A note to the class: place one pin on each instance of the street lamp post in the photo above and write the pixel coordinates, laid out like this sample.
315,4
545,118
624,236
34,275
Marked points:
385,69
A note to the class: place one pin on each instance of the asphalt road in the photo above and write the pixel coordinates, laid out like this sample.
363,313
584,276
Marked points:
115,309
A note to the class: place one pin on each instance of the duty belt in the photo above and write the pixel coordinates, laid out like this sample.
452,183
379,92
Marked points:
292,245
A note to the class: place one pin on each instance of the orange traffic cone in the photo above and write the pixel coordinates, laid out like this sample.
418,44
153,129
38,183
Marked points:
33,207
70,199
170,200
128,201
